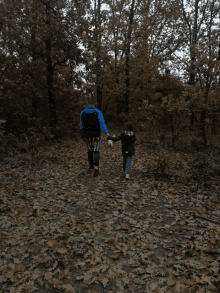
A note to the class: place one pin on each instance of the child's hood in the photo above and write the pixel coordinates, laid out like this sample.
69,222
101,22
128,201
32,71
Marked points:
129,133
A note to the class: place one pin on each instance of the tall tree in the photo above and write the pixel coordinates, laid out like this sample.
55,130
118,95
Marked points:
98,32
40,40
200,38
127,54
49,65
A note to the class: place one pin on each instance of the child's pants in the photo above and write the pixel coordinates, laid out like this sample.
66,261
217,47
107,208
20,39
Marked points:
127,162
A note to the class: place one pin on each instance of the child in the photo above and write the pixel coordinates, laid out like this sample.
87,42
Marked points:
127,138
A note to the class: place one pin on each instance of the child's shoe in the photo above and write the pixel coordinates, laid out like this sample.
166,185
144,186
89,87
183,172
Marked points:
127,177
96,171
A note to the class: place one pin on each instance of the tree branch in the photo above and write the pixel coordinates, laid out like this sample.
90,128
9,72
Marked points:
203,15
210,220
184,14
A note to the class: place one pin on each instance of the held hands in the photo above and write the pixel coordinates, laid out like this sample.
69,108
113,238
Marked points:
110,142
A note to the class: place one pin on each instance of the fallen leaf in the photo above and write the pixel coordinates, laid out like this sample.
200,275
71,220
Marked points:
111,274
48,275
104,282
78,278
170,280
68,288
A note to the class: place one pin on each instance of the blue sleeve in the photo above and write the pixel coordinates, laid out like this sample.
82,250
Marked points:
102,122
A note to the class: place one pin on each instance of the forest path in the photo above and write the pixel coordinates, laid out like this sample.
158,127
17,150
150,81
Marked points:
63,230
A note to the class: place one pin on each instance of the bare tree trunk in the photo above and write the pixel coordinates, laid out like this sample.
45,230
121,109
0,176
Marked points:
98,65
192,119
119,102
193,33
52,108
33,96
209,79
127,54
193,43
202,123
172,131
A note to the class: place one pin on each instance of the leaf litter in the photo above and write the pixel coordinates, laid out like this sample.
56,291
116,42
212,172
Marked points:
63,230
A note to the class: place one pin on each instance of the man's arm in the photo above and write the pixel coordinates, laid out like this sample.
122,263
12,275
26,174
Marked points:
80,120
102,122
81,130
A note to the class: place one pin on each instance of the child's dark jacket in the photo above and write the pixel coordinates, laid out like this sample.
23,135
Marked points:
127,142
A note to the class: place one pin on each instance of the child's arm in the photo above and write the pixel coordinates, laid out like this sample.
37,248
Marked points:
117,138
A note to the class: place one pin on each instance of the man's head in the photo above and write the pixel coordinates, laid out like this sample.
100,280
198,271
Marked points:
91,101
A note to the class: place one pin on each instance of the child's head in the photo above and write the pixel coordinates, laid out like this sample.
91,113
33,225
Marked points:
128,126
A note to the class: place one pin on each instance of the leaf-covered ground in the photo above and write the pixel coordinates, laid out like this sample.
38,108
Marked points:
63,230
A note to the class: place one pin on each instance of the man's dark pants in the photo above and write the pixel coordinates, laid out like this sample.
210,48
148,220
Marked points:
93,144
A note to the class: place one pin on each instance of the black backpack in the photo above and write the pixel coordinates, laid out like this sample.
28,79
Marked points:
90,124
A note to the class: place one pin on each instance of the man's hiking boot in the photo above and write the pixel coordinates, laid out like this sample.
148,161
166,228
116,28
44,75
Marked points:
96,171
91,170
127,177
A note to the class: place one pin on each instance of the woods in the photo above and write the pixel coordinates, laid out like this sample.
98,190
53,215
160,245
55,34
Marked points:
55,54
155,63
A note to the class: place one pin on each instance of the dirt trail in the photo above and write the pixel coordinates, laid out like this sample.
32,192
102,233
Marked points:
62,230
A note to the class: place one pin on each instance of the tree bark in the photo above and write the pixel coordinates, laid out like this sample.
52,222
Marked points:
172,131
33,96
119,102
192,119
49,67
202,122
98,65
209,79
193,43
127,58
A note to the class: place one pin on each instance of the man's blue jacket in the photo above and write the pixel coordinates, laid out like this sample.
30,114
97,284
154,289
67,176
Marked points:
91,109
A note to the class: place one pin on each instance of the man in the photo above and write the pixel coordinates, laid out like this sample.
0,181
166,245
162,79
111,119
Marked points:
90,130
